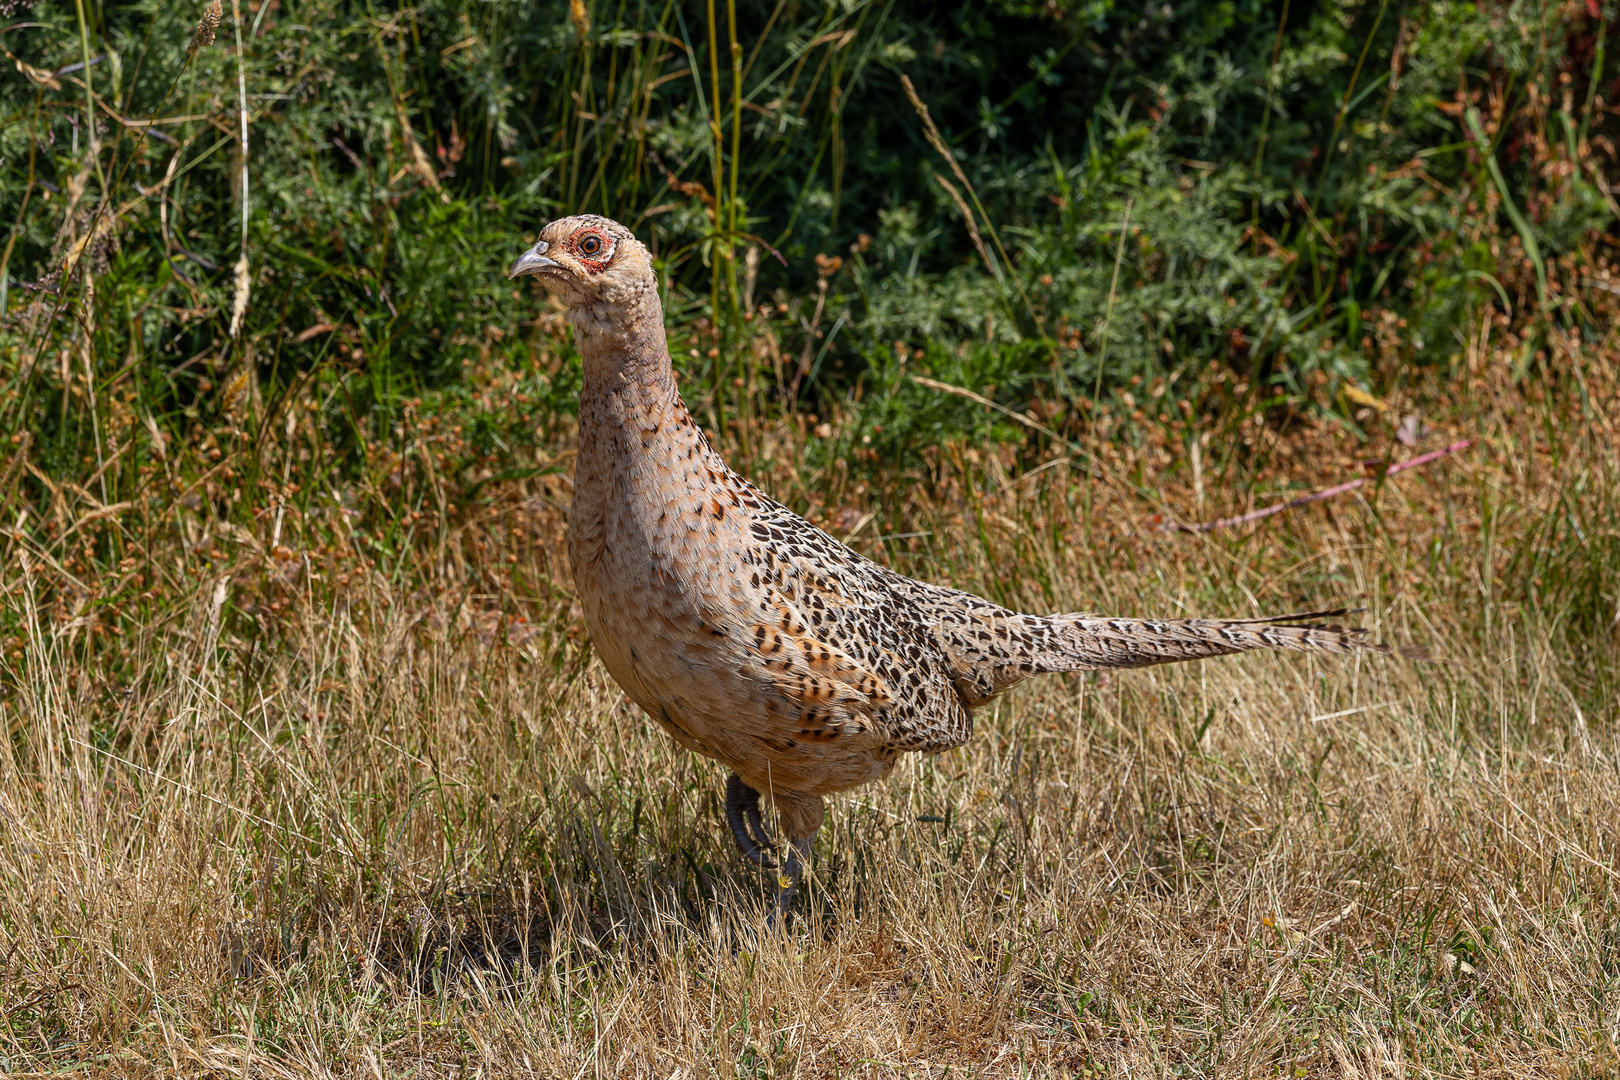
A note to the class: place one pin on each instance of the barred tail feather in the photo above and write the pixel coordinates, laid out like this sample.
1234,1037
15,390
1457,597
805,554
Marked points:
1088,642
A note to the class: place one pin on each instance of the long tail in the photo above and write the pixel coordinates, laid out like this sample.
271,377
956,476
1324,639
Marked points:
990,648
1087,642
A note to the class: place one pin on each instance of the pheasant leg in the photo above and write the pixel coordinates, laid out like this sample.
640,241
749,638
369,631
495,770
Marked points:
747,826
800,817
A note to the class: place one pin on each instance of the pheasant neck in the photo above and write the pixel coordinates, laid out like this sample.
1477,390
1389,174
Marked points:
628,375
623,341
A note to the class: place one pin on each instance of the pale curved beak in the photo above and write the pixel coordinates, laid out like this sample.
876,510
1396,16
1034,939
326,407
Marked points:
532,261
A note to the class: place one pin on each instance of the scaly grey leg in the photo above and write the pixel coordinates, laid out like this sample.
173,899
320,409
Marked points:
747,826
799,815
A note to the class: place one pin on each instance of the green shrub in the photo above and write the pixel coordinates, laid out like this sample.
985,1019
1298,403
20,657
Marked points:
1289,184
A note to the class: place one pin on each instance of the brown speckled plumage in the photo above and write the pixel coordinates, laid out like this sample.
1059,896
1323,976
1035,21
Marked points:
755,638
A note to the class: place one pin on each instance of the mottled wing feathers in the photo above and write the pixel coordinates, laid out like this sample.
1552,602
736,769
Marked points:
845,647
823,692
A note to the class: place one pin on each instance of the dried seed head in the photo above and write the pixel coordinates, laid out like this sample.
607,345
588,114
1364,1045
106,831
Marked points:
203,36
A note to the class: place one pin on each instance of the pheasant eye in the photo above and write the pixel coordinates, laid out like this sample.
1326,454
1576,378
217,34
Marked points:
590,246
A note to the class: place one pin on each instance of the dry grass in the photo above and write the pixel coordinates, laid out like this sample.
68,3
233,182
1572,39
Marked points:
382,826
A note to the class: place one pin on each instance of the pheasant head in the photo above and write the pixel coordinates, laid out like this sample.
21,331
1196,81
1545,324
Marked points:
598,269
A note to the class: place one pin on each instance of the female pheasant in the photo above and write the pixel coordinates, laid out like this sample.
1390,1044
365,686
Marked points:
753,637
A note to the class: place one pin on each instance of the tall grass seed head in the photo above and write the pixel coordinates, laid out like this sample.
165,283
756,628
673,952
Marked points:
203,35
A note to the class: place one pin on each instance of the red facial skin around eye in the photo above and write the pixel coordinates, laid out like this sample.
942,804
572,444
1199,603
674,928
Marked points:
604,254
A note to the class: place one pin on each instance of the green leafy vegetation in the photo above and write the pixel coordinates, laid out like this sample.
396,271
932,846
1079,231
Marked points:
1111,193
